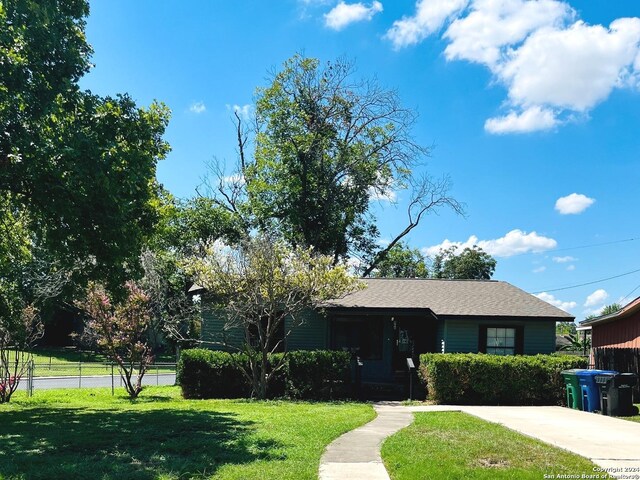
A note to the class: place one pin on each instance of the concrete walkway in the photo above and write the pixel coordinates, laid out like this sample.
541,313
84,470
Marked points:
356,454
610,443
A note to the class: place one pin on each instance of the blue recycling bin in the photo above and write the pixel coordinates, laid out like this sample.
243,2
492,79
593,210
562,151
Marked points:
589,391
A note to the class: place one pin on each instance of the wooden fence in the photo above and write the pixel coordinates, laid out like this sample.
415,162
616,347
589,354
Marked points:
621,359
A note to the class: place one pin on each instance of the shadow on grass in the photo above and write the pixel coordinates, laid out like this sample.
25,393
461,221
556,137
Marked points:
48,443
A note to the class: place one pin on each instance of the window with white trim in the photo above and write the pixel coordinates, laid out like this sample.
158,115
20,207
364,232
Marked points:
501,341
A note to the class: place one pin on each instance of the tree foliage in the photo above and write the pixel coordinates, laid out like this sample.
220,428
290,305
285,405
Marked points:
78,168
565,328
402,262
120,330
609,309
174,315
260,284
577,343
472,263
326,146
189,227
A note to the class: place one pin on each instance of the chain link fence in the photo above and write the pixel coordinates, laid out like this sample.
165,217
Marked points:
43,376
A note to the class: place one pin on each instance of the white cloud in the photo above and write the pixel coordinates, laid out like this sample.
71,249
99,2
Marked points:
513,243
571,268
573,204
237,179
197,107
493,24
555,68
596,298
530,120
539,269
547,297
244,111
429,17
566,259
574,68
344,14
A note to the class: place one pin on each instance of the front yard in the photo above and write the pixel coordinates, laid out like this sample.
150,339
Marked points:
90,434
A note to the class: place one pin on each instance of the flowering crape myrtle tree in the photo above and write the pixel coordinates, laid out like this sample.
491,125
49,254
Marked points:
120,331
262,287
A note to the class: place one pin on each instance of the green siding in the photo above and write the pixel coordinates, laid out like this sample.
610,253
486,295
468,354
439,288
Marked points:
213,332
312,334
540,337
461,336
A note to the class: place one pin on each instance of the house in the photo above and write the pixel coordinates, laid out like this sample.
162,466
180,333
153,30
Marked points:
615,340
620,329
394,319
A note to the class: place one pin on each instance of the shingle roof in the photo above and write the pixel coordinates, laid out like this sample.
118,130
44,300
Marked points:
449,297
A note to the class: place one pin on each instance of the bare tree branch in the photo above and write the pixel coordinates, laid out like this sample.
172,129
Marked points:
428,196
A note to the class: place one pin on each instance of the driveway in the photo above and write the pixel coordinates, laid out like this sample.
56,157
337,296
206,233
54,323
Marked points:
610,443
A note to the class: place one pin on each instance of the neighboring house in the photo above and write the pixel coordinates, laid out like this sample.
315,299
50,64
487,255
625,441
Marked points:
615,341
620,329
562,342
394,319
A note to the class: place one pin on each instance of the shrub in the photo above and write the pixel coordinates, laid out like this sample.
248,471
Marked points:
478,379
316,375
210,374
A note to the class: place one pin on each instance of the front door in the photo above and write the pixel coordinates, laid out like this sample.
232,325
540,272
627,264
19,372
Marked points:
403,345
412,336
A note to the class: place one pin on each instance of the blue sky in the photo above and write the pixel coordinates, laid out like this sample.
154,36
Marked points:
533,109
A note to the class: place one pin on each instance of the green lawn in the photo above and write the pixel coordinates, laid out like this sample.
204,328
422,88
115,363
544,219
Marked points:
454,445
90,434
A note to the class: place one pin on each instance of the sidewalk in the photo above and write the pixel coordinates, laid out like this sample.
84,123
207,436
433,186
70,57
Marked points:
356,454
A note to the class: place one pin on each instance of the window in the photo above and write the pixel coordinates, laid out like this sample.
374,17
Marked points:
501,340
363,337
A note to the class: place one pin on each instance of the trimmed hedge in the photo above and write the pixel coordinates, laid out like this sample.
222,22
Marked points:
317,375
212,374
479,379
309,375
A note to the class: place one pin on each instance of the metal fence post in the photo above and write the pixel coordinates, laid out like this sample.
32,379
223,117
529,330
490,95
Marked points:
30,378
112,383
157,375
80,375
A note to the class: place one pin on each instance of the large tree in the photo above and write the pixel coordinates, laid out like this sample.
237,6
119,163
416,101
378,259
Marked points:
325,146
261,285
402,262
79,168
472,263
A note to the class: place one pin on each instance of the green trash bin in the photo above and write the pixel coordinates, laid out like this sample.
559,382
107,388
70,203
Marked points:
572,384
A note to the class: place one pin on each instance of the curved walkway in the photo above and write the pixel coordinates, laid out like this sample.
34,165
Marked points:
611,443
356,454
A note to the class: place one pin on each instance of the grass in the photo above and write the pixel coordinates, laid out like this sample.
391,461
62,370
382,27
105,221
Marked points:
454,445
635,418
90,434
